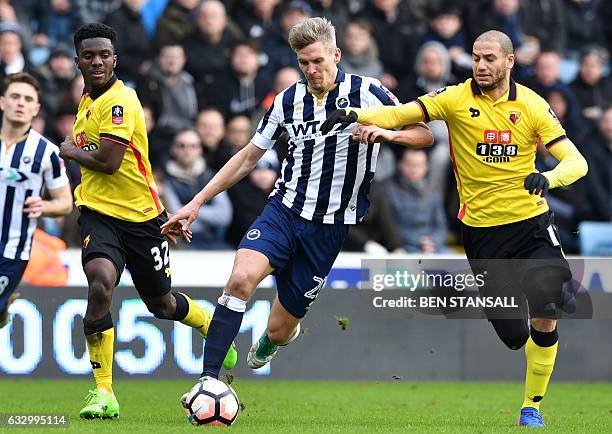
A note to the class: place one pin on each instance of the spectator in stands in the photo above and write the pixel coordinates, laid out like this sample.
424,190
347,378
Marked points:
175,23
70,96
250,195
186,174
158,148
506,16
592,89
360,54
93,11
433,72
169,90
12,57
210,126
569,116
446,27
598,152
378,234
417,209
284,78
337,11
545,21
242,89
258,19
55,76
132,45
278,53
238,132
546,78
395,37
584,25
209,45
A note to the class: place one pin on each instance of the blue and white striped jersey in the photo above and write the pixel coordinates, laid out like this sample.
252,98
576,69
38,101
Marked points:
325,178
25,168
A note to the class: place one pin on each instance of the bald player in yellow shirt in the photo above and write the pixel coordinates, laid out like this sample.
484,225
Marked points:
508,230
120,212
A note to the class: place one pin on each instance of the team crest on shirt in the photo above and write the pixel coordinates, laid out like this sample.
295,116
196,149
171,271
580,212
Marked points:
342,102
515,117
117,114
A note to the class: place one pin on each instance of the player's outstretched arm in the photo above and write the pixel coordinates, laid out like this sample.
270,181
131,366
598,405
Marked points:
233,171
59,205
386,117
413,136
106,159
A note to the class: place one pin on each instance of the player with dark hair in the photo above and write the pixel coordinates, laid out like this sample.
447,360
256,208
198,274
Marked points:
29,165
121,214
508,230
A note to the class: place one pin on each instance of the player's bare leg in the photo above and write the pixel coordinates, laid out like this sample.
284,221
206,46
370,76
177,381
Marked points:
283,328
100,334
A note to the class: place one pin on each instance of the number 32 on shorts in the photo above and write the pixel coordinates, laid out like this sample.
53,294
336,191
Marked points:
157,256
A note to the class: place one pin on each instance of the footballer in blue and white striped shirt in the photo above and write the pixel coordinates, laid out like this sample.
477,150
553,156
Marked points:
29,164
322,189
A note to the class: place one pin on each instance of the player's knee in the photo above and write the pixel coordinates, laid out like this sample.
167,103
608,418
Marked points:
544,325
100,291
240,284
513,333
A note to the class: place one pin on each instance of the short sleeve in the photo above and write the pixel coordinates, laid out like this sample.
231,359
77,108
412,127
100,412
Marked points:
547,126
378,95
271,125
118,119
435,105
54,172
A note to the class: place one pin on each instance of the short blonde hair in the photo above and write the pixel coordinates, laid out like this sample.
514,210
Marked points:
311,30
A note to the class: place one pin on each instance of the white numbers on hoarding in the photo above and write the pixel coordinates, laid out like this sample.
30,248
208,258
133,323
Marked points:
182,336
63,345
32,339
129,327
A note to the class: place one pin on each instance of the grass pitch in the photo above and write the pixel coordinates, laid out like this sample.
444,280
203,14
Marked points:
321,407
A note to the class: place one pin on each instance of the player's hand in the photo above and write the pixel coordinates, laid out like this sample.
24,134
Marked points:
339,116
66,148
181,220
536,183
372,134
176,230
34,206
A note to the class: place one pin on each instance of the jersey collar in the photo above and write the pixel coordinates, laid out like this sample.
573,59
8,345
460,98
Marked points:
96,93
511,93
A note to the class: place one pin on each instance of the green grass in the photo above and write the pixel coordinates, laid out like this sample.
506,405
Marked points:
299,406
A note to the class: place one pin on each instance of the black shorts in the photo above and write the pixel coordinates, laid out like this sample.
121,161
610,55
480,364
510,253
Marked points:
138,246
510,256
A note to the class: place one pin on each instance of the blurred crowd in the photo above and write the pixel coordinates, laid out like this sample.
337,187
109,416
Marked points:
205,72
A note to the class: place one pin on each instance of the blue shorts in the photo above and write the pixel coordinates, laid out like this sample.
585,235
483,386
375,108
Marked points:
11,271
302,252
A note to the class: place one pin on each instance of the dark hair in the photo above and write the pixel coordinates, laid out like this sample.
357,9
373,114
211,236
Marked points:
93,30
21,77
245,43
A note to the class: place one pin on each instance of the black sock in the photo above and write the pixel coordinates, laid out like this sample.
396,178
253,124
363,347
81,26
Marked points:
544,339
182,307
223,328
